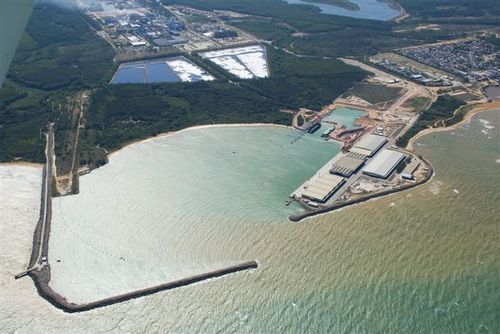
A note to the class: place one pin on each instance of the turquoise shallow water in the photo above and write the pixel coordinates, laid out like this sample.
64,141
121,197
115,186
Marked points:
345,116
424,261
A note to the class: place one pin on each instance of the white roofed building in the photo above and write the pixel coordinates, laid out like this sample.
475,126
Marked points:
369,144
323,187
383,164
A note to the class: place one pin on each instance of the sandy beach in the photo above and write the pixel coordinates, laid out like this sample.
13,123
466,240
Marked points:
477,109
171,133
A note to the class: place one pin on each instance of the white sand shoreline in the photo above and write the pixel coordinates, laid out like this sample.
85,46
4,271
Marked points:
21,164
195,127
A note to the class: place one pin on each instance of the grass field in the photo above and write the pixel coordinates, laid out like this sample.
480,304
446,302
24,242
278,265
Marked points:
418,103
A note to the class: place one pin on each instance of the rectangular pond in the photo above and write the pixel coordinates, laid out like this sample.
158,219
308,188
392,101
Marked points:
173,69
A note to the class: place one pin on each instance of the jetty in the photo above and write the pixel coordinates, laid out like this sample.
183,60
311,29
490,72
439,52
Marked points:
39,267
61,303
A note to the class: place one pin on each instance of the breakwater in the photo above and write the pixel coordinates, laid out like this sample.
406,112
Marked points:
301,216
42,277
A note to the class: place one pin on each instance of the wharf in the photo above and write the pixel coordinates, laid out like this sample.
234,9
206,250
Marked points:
323,170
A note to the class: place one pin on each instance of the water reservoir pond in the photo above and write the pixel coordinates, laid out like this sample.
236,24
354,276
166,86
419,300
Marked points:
368,9
160,70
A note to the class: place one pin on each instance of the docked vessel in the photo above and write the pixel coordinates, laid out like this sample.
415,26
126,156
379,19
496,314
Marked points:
327,132
315,127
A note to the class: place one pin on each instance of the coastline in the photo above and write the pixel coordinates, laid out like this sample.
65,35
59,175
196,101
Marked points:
490,106
485,107
21,164
403,14
42,277
369,197
194,127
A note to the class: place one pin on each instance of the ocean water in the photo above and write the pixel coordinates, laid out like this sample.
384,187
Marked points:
421,261
135,214
368,9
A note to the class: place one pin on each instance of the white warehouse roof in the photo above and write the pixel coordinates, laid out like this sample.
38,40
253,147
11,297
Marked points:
384,163
371,143
323,187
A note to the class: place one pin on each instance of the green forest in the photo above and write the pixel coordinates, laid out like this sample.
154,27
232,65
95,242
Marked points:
122,113
61,54
58,53
304,30
442,110
431,9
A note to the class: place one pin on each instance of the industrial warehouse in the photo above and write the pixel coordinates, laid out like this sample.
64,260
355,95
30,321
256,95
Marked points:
347,164
323,187
366,168
369,144
384,163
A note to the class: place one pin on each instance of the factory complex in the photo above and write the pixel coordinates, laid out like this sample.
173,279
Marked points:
371,165
322,187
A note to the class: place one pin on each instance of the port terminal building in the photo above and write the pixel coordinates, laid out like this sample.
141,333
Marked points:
383,164
369,144
321,188
408,172
347,164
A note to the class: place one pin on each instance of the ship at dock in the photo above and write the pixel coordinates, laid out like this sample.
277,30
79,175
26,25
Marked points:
314,127
327,132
